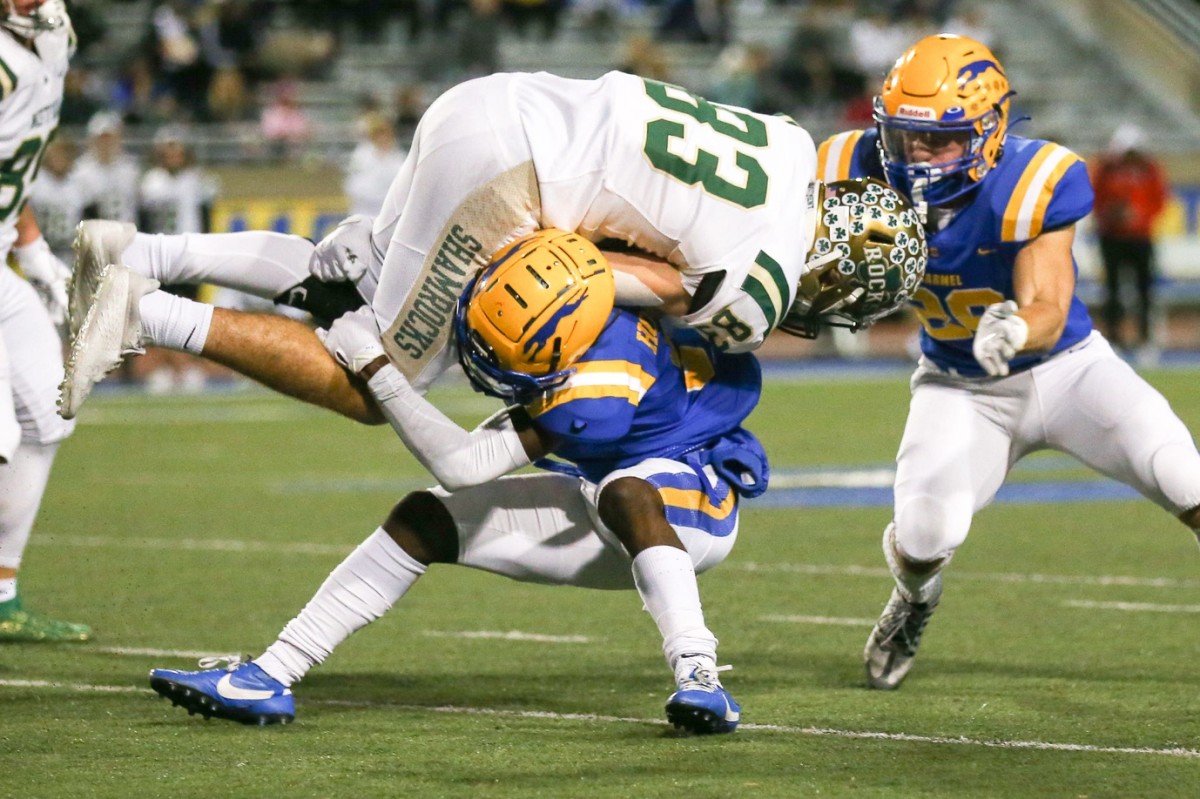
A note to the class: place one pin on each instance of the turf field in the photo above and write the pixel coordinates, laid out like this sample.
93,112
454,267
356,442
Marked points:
1059,664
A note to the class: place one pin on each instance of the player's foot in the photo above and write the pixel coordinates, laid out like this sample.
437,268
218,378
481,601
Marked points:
243,692
98,243
701,705
111,328
893,643
18,624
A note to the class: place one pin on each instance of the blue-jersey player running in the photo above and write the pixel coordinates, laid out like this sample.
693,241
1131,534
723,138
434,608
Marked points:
1010,363
651,460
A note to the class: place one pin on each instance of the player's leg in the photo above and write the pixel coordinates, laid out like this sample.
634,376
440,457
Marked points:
33,370
127,314
1110,256
359,590
675,522
1102,412
953,457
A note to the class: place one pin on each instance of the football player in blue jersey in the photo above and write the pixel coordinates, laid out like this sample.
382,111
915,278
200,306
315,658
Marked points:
651,462
1010,363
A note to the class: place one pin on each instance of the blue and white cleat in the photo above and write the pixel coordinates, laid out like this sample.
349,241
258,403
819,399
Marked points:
242,692
701,705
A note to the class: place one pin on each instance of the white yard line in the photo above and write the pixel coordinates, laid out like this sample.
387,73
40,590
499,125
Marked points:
510,635
301,548
823,732
1131,606
832,620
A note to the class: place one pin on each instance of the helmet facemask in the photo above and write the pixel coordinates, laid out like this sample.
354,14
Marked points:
867,258
27,19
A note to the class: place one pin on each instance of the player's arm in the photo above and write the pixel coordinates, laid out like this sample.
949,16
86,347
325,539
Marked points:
457,458
1043,285
41,267
646,281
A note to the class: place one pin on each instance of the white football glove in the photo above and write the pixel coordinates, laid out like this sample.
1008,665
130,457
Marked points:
1000,336
47,274
353,339
345,254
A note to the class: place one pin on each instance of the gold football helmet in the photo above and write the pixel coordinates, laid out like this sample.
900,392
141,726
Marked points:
945,94
868,257
537,306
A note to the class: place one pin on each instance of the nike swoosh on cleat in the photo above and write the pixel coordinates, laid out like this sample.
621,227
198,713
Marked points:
227,690
730,713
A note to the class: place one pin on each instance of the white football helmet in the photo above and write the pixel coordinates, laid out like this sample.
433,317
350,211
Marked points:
28,18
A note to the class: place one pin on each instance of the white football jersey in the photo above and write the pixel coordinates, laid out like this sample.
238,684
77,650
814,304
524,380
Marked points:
113,188
708,187
173,203
58,203
31,89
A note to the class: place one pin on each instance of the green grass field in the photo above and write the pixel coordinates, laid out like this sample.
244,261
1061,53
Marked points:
178,527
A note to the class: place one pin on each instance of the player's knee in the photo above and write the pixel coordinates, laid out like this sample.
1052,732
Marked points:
422,527
633,510
929,528
1176,473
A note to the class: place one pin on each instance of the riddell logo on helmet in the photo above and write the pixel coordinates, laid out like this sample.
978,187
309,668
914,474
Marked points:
916,112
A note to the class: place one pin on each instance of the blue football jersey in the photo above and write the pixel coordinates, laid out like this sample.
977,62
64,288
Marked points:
1036,186
640,392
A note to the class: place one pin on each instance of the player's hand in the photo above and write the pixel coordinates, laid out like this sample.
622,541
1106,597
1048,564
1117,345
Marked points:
1000,336
345,254
353,339
47,274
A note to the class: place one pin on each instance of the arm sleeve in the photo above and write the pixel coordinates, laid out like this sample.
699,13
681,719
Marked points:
456,458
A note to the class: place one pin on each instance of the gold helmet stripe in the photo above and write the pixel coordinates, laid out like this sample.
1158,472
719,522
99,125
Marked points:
1026,210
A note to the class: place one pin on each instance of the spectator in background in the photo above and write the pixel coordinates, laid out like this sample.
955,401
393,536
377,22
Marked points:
410,105
177,197
285,125
78,105
699,21
175,46
478,47
57,196
373,164
1130,195
525,15
744,78
107,175
644,58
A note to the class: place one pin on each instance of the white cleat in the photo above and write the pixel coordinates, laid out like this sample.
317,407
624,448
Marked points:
98,243
110,328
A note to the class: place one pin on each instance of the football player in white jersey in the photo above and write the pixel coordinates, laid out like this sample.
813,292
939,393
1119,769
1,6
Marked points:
35,44
719,209
58,197
109,175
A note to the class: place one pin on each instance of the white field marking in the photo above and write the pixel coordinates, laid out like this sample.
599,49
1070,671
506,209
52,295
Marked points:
301,548
198,545
511,635
1135,606
832,620
823,732
138,651
990,577
881,477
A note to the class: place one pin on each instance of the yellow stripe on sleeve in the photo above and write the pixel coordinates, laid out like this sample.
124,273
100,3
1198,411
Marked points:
1025,213
835,154
598,380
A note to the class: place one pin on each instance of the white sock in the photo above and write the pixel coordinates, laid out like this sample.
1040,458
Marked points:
22,482
915,587
257,262
358,591
666,580
175,322
8,589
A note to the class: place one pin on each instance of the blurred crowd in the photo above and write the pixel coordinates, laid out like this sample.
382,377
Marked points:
241,66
